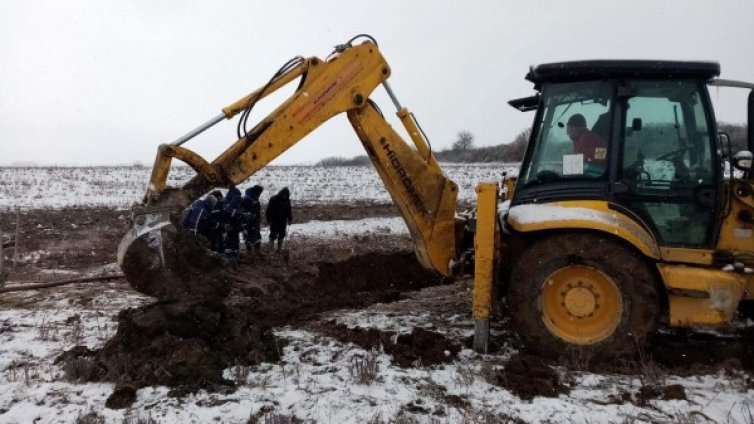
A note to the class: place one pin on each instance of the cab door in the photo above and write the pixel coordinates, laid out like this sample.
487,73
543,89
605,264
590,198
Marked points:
667,170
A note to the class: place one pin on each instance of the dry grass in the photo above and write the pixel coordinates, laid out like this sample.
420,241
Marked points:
271,417
240,373
364,370
650,373
80,369
118,366
18,371
90,417
76,330
46,330
140,419
465,375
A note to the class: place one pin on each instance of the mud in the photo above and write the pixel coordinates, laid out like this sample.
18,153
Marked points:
528,376
187,342
681,352
183,345
420,347
79,238
688,353
671,392
123,396
184,269
219,316
285,290
66,239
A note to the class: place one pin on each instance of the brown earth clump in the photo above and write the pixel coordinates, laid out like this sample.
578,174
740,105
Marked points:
418,347
688,353
671,392
183,268
280,290
123,396
182,345
186,342
528,376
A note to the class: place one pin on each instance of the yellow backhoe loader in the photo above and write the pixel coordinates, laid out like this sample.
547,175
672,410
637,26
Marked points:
621,216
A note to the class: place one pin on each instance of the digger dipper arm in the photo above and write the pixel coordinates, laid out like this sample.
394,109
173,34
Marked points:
425,197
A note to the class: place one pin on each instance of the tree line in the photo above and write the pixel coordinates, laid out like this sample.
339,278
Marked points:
463,149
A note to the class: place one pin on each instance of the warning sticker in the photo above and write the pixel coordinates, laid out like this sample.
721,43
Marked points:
573,164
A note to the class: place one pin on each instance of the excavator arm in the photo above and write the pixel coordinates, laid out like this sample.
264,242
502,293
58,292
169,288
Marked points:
425,196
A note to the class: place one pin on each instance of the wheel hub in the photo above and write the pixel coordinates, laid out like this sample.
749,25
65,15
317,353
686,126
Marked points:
581,304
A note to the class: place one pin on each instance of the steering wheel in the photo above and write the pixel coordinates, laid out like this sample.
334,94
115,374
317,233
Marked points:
636,172
547,176
704,196
673,154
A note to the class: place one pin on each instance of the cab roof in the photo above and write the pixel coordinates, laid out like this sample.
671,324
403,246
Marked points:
603,69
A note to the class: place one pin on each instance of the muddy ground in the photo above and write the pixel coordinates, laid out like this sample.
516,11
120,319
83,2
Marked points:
77,239
294,288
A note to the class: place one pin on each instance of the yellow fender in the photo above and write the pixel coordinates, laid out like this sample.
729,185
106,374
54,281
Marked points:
581,214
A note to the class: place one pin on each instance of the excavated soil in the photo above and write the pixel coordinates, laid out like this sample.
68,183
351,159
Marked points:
212,316
671,392
420,347
188,341
81,238
285,290
182,345
528,376
686,353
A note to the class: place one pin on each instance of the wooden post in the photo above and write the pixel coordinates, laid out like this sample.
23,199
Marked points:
2,256
15,245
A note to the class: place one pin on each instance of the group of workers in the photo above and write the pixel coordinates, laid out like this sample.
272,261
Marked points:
222,220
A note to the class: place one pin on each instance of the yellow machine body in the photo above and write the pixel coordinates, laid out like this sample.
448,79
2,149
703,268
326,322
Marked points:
581,305
698,293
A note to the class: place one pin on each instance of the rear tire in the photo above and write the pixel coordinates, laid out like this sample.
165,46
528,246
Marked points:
583,292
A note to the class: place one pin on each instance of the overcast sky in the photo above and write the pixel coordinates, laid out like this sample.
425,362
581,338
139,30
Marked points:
105,82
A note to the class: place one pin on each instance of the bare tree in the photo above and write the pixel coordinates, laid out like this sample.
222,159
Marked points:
464,141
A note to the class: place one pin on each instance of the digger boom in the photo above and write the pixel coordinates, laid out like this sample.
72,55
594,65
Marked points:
425,196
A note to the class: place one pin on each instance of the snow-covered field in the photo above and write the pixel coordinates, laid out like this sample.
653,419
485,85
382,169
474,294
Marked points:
317,381
121,186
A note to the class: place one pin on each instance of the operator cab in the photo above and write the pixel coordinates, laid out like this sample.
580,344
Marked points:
640,135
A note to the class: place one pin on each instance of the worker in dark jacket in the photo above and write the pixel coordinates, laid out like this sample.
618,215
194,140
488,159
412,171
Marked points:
217,239
199,219
252,218
233,228
279,215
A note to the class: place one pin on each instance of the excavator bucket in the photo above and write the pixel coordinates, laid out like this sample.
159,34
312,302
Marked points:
142,253
161,260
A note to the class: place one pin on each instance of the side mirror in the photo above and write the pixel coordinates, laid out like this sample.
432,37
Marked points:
636,124
742,160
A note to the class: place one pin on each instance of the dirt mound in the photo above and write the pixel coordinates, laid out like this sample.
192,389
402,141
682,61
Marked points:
687,353
420,346
186,342
183,345
528,376
280,291
671,392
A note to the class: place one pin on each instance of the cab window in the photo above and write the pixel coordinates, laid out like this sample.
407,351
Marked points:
572,139
667,160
